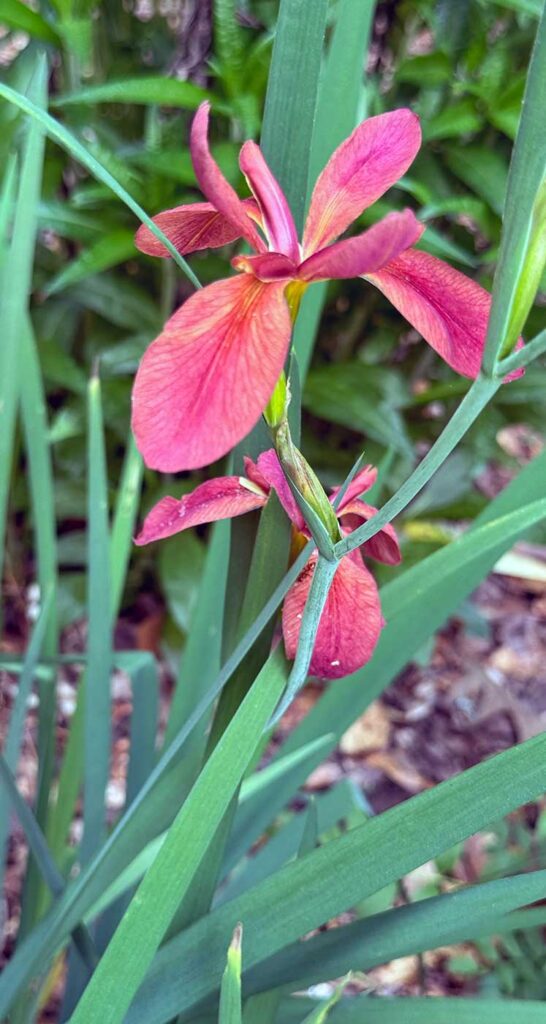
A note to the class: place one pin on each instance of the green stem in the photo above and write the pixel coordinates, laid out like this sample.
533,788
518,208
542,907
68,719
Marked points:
475,400
516,361
323,576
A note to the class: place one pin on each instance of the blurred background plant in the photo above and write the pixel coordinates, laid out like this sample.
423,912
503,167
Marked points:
125,79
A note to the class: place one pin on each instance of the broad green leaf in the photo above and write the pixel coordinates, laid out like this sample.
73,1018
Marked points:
453,121
362,398
168,92
181,560
482,170
126,960
112,248
18,15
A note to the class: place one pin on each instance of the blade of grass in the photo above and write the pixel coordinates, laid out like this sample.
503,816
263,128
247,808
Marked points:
123,523
527,172
143,814
437,1011
125,962
341,100
64,138
147,89
230,991
470,913
39,849
338,875
17,718
291,98
17,282
34,417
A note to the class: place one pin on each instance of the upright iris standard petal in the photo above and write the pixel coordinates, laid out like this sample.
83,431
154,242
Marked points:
446,307
372,159
276,214
202,385
383,546
272,472
214,186
364,253
221,498
350,623
192,227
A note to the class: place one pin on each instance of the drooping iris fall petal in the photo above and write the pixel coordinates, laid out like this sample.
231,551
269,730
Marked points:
364,253
190,228
222,498
446,307
276,214
350,623
363,167
203,383
383,546
214,186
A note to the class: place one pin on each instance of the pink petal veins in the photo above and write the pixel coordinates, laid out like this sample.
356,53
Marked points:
221,498
364,253
190,228
383,546
213,184
364,166
350,623
448,309
203,383
277,218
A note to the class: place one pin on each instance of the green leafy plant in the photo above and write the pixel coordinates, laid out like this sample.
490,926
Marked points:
193,903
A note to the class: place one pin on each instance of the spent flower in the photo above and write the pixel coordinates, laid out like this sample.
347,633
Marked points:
351,622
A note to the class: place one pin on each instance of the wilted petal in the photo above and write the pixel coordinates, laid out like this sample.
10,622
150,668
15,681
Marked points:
189,228
366,252
350,623
372,159
222,498
384,545
364,479
276,215
214,186
267,266
203,383
448,309
271,470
